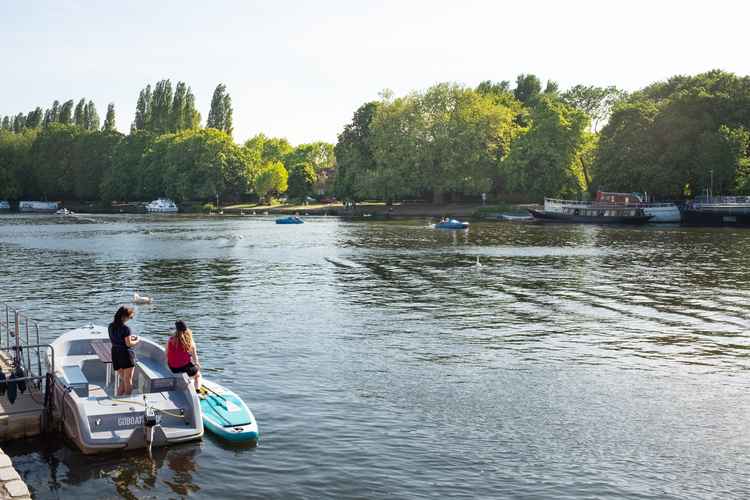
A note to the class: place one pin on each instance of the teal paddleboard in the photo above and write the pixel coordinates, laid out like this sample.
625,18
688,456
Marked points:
226,415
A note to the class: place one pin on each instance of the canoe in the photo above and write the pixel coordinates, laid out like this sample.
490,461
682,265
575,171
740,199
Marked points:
290,220
226,415
452,224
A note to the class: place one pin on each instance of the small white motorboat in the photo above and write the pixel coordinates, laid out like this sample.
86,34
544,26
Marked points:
163,409
162,206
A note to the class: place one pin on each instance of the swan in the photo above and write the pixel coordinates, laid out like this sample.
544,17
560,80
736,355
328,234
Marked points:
139,299
478,264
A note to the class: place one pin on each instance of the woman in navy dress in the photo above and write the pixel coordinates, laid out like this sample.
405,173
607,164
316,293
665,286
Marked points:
123,355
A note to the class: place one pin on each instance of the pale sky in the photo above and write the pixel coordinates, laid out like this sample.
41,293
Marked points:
300,69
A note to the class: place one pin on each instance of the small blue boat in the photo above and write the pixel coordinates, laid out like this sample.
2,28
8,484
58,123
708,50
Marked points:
292,219
452,224
226,415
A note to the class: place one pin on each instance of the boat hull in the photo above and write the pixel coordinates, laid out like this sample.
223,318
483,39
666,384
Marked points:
693,217
667,213
38,207
584,219
452,225
289,220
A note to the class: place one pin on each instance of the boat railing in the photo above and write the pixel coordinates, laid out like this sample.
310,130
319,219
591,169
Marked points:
20,348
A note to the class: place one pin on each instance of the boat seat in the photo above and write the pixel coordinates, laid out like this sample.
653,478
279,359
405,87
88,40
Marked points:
154,378
76,380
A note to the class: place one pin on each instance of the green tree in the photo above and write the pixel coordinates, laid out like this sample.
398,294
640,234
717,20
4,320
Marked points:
143,110
528,87
191,115
302,178
90,117
52,161
268,149
91,159
19,123
160,107
542,162
15,163
449,139
220,115
272,178
109,119
78,118
177,118
66,113
597,102
353,153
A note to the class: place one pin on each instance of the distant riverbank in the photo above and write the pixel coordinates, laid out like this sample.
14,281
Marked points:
365,209
375,209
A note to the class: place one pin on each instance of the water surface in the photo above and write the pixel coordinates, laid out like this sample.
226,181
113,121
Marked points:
382,362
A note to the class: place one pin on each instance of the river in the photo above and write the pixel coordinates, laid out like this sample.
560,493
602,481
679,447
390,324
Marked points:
382,361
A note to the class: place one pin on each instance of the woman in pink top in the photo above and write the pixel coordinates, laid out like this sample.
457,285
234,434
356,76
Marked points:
182,355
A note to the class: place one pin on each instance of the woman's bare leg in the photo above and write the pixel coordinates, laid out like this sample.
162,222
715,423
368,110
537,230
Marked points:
127,376
120,383
197,381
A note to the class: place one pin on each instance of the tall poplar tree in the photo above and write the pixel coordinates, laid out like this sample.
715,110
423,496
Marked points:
66,113
143,110
177,117
78,119
220,115
19,122
228,128
161,104
34,118
90,117
109,120
192,115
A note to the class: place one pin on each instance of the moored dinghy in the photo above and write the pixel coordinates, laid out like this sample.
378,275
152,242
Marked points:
226,415
163,409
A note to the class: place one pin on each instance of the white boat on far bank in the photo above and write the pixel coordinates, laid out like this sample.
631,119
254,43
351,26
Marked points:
162,206
44,207
659,212
4,205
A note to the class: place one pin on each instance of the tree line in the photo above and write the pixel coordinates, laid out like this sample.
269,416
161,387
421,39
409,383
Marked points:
530,140
521,141
64,153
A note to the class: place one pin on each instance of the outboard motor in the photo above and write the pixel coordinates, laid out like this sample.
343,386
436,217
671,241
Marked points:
151,420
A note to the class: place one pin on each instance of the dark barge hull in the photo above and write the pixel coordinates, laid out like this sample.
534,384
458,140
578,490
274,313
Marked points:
585,219
692,217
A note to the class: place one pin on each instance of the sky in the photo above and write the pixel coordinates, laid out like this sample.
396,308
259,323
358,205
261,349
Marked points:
299,69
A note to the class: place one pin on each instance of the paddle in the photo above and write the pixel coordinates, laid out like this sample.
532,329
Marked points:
204,388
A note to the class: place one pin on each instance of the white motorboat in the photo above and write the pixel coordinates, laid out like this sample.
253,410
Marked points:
162,410
38,206
162,206
4,205
659,212
65,211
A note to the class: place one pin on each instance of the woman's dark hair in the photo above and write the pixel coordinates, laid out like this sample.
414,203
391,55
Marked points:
122,312
180,325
